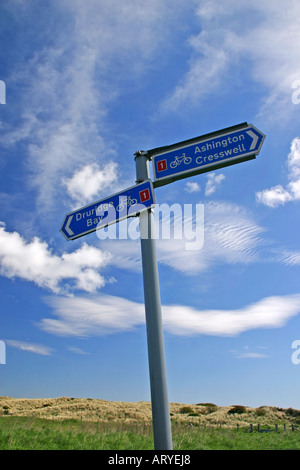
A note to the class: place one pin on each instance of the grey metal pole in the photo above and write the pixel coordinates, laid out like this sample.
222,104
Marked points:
156,354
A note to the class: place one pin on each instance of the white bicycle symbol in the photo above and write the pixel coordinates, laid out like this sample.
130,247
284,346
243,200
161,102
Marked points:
178,160
125,201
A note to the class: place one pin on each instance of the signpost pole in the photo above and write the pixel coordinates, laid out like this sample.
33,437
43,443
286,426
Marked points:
156,355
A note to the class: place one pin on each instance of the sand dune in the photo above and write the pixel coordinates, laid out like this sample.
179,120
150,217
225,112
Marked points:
99,410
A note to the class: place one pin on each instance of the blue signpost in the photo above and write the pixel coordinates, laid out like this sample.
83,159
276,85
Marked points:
191,157
207,153
100,214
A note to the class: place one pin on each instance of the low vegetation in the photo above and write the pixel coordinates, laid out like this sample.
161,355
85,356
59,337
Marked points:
74,423
237,409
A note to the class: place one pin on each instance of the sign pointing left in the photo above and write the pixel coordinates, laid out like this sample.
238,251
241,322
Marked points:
127,203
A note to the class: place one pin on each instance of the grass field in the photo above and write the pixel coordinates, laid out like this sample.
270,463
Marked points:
83,424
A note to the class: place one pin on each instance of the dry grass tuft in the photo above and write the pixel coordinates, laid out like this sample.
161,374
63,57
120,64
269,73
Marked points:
102,411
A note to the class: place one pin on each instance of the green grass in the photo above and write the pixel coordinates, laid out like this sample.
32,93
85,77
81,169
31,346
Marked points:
233,439
40,434
18,433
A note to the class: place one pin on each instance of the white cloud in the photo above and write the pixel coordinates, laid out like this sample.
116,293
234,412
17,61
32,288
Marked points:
97,315
102,315
192,187
278,195
213,180
249,354
274,196
29,347
34,261
89,181
270,312
77,350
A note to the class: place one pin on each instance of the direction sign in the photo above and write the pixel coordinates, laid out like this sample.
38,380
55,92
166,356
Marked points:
127,203
205,153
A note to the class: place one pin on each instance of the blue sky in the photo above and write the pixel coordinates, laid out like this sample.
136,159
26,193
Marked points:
87,84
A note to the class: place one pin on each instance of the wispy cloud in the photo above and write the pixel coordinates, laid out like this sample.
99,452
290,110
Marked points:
79,351
257,35
278,195
71,76
250,355
231,235
288,256
247,354
34,261
59,137
30,347
102,315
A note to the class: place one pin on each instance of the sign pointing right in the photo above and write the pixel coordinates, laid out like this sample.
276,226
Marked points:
205,153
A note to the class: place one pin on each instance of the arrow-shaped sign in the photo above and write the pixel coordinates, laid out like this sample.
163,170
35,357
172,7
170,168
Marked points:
127,203
205,153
